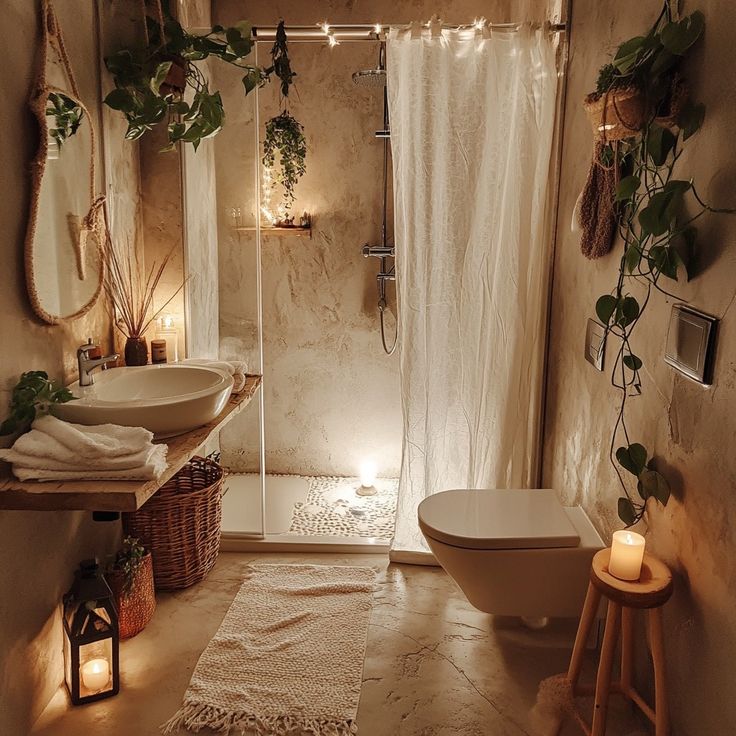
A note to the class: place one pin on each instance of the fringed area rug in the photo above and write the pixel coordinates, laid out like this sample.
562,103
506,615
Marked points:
288,656
333,508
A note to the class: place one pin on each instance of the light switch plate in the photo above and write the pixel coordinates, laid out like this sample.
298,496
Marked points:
691,343
595,344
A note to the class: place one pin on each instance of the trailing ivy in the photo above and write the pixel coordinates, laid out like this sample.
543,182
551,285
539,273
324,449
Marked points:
659,239
67,115
285,139
34,394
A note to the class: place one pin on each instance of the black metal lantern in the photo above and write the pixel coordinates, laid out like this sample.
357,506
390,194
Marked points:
91,638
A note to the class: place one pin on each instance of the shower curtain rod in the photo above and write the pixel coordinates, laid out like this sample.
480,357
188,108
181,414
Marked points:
368,31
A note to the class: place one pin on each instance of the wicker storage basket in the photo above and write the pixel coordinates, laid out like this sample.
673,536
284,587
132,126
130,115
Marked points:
618,114
181,525
136,604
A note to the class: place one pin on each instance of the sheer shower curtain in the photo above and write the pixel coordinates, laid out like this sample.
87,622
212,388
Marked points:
472,122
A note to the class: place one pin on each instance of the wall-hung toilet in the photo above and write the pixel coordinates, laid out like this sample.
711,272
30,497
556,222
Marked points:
512,552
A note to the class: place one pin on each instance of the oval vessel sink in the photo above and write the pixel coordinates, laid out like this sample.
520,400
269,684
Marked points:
165,399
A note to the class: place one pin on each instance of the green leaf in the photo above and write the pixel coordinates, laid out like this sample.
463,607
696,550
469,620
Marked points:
627,53
660,143
251,79
632,258
626,511
657,216
627,187
9,426
627,311
632,458
162,71
678,37
605,307
633,362
654,484
691,119
666,260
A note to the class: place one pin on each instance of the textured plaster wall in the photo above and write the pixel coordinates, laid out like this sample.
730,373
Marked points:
39,550
331,394
690,429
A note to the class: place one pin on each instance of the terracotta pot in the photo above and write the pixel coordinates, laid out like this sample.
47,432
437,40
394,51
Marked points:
618,114
137,602
136,351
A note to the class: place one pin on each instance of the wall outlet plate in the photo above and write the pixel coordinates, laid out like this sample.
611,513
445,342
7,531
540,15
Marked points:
691,340
595,344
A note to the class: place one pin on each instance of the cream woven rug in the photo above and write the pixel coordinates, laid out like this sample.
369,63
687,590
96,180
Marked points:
288,656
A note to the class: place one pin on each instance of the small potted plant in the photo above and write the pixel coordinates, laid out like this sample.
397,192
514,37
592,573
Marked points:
642,80
130,576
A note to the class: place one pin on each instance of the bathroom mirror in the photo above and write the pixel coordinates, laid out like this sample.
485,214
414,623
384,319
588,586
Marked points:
63,250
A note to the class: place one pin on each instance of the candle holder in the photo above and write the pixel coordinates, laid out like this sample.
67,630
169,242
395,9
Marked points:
91,637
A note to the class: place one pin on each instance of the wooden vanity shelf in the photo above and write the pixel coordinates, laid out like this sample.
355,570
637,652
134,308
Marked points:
116,495
296,231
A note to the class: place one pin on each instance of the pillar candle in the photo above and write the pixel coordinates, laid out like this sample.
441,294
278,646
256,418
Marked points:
627,554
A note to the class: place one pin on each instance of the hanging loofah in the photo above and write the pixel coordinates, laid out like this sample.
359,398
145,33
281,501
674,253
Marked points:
598,205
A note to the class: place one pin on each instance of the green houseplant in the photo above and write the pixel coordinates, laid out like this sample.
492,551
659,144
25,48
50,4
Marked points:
33,395
67,115
130,575
160,82
656,212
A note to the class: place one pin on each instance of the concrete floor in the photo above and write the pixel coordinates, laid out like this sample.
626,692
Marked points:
434,665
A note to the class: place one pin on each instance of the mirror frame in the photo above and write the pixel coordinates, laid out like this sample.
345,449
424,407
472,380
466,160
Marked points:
37,103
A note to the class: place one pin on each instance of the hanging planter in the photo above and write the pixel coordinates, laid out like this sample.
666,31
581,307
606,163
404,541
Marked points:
617,114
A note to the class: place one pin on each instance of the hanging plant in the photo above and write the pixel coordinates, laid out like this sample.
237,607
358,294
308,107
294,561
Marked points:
658,238
284,134
285,138
151,82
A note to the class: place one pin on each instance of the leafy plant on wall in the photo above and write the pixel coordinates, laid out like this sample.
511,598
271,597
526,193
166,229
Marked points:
655,213
151,81
284,147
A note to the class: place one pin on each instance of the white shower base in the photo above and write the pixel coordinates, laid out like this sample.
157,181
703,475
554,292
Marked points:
309,506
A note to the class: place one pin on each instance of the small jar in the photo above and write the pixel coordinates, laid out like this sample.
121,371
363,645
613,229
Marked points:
158,351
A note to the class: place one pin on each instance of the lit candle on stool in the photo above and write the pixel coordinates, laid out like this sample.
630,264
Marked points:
95,674
627,554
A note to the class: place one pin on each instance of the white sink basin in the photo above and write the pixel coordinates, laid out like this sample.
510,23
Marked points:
165,399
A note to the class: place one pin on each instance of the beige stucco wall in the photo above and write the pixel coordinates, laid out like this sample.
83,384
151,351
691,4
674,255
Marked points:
690,429
331,394
39,550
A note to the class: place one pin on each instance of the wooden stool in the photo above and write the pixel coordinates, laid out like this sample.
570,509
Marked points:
650,592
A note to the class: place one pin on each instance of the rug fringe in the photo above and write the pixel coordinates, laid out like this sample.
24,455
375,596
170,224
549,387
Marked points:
196,716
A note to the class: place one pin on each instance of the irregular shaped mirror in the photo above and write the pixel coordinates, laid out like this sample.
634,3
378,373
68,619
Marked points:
63,243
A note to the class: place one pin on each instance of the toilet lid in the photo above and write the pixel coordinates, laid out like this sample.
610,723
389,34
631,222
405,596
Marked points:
497,519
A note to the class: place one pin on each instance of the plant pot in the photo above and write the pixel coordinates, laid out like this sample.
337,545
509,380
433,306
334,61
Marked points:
176,79
618,114
136,351
137,602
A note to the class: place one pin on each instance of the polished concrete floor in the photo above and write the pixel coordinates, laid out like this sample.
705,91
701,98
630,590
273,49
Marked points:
434,665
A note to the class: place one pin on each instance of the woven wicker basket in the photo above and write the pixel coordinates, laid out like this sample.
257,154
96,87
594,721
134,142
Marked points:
618,114
181,525
136,604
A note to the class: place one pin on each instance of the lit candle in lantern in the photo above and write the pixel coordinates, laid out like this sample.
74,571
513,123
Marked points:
95,674
627,554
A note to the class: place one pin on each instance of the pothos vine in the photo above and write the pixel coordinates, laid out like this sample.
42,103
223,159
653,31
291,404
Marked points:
658,236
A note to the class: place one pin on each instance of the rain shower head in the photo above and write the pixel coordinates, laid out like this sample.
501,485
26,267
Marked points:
370,78
373,77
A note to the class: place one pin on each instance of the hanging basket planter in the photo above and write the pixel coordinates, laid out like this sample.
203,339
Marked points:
618,114
673,103
135,599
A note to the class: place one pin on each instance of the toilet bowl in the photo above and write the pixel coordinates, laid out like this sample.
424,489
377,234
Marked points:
512,552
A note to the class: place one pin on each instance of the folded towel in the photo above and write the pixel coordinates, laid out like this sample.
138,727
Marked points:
56,450
238,369
151,470
97,441
57,460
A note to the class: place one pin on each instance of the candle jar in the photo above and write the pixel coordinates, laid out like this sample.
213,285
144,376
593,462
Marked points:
627,555
165,330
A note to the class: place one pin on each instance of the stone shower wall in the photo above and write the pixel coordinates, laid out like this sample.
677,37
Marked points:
331,394
691,429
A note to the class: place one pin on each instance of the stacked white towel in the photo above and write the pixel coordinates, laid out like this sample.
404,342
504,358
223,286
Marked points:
238,369
56,450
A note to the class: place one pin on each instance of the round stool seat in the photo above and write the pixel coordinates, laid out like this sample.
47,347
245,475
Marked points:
651,590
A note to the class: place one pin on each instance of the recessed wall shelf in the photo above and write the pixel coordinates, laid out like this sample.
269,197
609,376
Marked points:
295,231
110,495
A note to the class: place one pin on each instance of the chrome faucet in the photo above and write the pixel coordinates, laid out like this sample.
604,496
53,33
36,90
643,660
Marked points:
87,363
